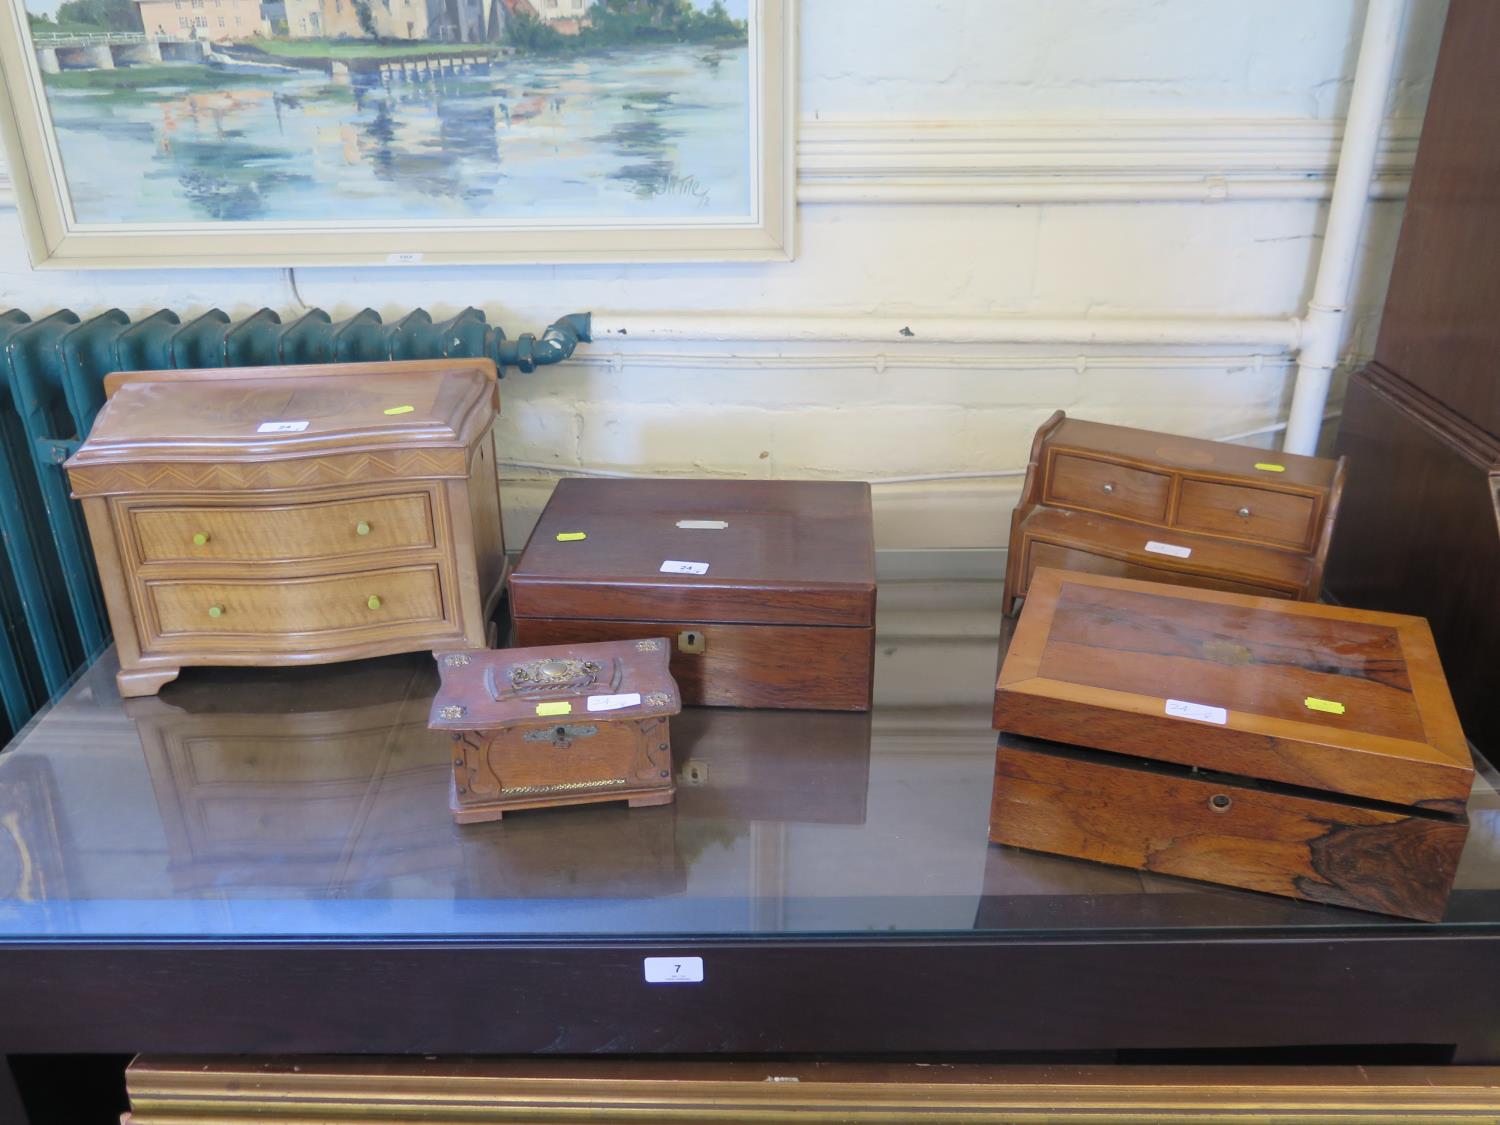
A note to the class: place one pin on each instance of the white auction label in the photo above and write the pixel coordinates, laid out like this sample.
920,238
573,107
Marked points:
674,970
673,566
703,525
281,427
1168,549
1180,709
614,702
408,258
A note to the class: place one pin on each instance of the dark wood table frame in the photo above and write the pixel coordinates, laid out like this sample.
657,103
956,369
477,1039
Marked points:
853,996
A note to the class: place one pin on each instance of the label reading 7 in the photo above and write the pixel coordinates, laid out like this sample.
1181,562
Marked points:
674,970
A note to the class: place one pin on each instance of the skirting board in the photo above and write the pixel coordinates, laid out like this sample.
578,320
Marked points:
184,1091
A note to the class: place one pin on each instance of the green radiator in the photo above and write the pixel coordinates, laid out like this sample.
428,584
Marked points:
52,384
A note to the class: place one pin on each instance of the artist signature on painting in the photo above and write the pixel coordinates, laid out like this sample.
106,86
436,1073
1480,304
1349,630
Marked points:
680,185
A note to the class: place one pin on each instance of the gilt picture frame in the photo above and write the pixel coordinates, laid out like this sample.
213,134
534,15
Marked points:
399,132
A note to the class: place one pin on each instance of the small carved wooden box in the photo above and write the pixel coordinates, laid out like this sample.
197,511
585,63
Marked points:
293,515
1164,508
1301,749
562,725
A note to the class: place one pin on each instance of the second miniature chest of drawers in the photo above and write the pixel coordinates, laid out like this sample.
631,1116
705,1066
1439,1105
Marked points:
1136,504
293,515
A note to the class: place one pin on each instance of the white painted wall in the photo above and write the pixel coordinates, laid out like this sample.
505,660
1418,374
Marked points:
1128,157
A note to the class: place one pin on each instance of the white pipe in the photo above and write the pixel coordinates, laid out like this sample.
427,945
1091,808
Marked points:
1281,334
1323,327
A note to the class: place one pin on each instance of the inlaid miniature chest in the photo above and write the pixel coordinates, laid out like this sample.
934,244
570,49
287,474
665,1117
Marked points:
764,589
1290,747
563,725
1137,504
293,515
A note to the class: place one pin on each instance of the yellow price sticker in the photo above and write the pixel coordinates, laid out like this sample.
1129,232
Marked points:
562,707
1270,467
401,409
571,536
1327,705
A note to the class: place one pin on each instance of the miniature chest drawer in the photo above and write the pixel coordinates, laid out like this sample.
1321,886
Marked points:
272,533
375,599
1252,513
1108,487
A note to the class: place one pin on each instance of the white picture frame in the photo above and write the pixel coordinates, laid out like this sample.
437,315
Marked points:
57,239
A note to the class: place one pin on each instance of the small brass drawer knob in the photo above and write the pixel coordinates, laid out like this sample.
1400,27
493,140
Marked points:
200,538
1243,513
361,528
373,601
1109,488
216,611
1220,802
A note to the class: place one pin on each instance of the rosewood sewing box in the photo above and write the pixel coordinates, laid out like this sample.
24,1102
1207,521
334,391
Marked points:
765,589
1297,748
1137,504
562,725
293,515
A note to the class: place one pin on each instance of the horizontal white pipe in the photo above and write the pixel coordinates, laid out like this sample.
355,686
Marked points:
1324,324
919,478
895,328
905,359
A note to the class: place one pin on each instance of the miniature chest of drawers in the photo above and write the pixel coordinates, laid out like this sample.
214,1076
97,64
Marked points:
562,725
766,589
1136,504
293,515
1296,748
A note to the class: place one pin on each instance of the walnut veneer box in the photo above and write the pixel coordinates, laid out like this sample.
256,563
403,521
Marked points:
1137,504
293,515
766,589
1301,749
563,725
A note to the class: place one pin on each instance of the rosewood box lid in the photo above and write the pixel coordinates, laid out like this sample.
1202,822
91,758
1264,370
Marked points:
1339,700
498,688
259,414
777,552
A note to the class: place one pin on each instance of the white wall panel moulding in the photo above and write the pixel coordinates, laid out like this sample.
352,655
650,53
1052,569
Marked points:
1025,160
919,160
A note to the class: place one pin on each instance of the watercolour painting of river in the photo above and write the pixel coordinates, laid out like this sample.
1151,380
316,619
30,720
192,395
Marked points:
287,132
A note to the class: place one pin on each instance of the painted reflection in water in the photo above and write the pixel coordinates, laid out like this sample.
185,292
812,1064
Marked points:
649,134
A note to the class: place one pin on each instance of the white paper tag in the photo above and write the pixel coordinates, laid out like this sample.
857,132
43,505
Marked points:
1179,709
281,427
674,970
410,258
614,702
673,566
703,525
1168,549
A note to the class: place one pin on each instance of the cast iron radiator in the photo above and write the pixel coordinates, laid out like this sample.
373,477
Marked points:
52,384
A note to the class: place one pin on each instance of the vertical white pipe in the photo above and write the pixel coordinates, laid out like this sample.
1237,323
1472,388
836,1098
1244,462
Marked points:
1323,326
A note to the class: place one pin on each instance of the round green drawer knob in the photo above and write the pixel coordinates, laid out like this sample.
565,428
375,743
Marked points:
361,528
373,602
200,538
216,611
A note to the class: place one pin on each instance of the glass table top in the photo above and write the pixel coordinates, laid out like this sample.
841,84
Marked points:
247,804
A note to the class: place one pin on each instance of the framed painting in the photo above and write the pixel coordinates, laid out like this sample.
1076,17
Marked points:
341,132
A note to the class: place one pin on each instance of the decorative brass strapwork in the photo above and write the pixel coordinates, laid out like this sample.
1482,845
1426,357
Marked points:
554,673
